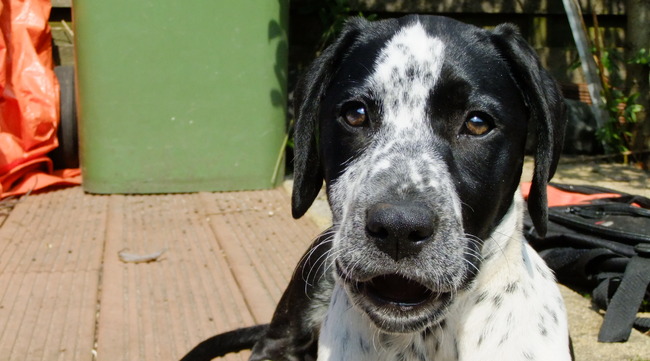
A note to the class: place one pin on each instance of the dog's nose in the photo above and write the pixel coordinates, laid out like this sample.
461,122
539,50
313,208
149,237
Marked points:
400,229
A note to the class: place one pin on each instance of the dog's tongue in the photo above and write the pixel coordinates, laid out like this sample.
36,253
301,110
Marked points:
398,289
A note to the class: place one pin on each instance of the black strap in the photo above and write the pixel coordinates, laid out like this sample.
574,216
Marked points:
596,211
642,324
630,224
624,305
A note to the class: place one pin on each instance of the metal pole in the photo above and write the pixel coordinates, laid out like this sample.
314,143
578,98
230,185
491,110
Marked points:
574,14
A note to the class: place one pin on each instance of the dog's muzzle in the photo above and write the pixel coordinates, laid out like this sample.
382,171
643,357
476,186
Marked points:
398,297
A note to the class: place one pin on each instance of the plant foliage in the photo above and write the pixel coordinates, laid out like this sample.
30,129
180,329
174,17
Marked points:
617,134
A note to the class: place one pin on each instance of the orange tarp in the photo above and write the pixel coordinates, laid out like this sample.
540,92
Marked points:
29,99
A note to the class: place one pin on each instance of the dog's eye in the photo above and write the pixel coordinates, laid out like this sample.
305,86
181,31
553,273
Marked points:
477,125
355,114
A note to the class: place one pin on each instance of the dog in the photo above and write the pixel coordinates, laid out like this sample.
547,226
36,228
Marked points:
418,126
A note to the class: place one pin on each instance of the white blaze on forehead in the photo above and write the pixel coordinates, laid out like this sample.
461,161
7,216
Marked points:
406,71
401,153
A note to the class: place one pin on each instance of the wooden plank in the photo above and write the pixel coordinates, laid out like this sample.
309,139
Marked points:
50,258
159,310
261,242
66,295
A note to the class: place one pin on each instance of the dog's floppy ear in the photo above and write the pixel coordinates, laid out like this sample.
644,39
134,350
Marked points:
308,173
546,110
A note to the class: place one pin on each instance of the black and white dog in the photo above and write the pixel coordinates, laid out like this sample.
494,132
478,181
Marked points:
418,126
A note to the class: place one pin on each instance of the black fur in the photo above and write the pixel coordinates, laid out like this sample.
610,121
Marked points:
222,344
547,114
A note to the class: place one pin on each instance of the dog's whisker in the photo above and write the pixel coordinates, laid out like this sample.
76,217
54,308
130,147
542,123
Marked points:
317,263
465,204
441,333
308,255
472,250
375,337
314,269
472,267
325,265
329,263
496,247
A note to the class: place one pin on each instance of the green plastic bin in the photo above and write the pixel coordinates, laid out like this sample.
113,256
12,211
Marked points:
180,96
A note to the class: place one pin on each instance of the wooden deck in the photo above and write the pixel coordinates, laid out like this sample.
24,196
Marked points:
65,294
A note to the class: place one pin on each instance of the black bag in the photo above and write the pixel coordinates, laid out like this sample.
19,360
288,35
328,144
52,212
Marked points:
601,247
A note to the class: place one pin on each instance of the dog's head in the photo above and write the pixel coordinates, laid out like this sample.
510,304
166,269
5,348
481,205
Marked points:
418,127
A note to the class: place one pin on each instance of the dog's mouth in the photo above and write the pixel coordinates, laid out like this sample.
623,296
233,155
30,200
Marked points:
396,303
396,290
